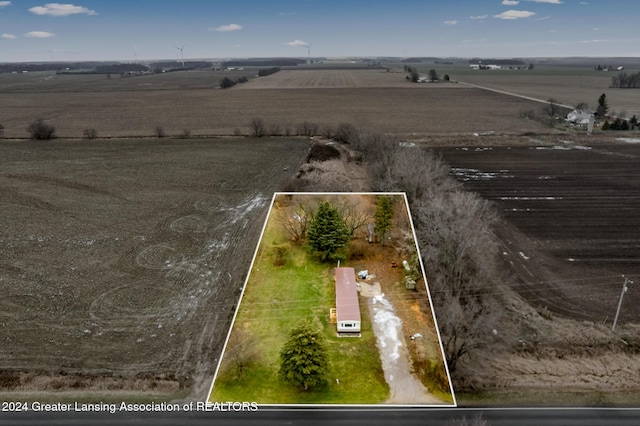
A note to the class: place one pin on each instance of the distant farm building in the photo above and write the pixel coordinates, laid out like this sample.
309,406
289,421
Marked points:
578,116
485,67
347,305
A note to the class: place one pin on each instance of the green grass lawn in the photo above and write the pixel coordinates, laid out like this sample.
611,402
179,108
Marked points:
276,298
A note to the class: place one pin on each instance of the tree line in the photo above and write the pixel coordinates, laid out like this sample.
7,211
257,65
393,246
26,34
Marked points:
455,232
626,81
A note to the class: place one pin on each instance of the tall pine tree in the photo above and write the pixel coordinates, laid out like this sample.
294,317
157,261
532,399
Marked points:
303,358
383,217
603,107
327,234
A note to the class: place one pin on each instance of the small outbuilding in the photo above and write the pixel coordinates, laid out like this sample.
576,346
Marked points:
347,304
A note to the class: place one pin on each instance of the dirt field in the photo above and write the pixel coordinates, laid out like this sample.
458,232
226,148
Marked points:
389,104
294,79
111,248
569,87
568,84
124,258
577,207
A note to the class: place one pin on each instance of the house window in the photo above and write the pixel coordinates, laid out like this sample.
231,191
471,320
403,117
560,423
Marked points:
348,325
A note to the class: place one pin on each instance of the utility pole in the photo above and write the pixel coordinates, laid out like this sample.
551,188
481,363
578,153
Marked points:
624,290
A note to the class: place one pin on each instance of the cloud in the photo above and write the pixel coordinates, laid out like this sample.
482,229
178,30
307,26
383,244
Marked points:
4,4
8,36
39,34
514,14
59,9
297,43
479,17
227,28
451,22
510,2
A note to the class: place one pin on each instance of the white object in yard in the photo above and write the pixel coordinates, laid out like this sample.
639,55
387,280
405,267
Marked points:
363,274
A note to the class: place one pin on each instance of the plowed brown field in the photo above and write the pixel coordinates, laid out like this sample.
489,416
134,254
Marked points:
125,258
571,213
384,101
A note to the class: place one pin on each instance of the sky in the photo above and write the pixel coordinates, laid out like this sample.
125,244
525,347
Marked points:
136,30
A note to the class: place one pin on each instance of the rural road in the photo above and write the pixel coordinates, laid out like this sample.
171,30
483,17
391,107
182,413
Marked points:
543,101
358,416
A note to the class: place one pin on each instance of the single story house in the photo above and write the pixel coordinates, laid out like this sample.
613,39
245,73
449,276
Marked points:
347,305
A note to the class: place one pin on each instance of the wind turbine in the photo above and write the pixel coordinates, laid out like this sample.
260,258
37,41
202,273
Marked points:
308,46
181,49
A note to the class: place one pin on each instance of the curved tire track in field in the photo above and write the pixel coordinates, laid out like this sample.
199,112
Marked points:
189,224
180,288
159,256
127,306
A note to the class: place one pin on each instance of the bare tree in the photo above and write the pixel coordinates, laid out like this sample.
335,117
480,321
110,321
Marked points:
459,249
418,173
258,128
240,354
296,221
354,218
552,109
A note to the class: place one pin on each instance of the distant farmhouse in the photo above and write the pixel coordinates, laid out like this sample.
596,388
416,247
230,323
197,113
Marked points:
578,116
497,64
347,305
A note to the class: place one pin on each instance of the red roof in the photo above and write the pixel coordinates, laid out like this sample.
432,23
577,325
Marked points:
347,306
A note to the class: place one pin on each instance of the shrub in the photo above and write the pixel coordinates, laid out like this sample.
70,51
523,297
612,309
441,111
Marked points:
275,130
41,130
307,128
9,380
322,152
258,128
226,83
267,71
90,133
186,134
327,132
160,132
280,253
346,133
1,130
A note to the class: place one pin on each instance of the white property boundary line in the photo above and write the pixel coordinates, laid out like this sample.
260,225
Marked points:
424,276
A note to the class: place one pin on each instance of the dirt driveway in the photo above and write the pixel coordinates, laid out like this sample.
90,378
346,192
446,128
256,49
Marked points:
404,387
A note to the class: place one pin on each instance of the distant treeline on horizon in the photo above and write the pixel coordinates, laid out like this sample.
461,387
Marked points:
115,67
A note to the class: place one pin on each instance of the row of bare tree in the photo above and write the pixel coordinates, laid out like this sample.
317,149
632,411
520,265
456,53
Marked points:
458,246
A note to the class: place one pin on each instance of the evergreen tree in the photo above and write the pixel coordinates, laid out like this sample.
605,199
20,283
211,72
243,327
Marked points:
603,108
327,233
383,216
304,361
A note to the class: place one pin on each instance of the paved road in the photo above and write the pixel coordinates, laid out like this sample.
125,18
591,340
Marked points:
323,417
